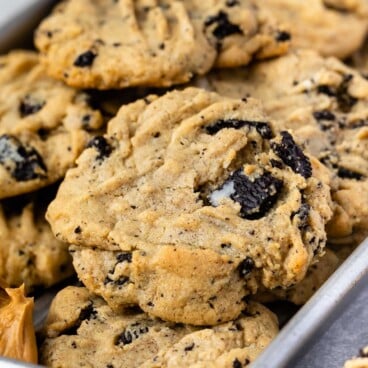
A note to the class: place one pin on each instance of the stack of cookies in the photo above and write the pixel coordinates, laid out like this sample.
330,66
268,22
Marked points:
44,126
242,154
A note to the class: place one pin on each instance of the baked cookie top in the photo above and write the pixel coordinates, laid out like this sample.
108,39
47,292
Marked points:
322,25
113,44
29,252
325,103
198,172
44,125
82,330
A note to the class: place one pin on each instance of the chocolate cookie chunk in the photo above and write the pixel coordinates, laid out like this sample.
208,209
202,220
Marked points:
196,202
44,125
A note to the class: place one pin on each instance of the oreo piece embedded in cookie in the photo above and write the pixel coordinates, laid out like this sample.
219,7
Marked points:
292,155
256,196
263,128
23,163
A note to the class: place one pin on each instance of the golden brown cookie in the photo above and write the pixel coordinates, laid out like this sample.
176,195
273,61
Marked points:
114,44
208,196
81,330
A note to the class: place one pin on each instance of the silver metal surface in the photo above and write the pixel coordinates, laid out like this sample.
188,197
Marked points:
321,310
18,19
11,363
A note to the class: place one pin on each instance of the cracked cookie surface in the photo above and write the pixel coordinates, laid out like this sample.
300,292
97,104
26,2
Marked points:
81,329
325,103
114,44
201,186
44,125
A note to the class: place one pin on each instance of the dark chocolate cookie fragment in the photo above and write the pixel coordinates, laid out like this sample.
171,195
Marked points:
256,196
85,60
119,282
29,106
262,128
326,90
124,257
344,99
282,36
86,313
231,3
292,155
246,266
102,146
237,364
344,173
23,162
324,115
130,334
302,215
223,27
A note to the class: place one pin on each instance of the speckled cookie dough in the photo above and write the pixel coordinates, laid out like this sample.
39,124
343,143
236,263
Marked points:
325,103
81,330
29,252
361,361
323,25
200,185
114,44
44,125
299,294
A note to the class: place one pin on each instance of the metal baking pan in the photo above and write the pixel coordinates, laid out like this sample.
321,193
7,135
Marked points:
325,307
17,21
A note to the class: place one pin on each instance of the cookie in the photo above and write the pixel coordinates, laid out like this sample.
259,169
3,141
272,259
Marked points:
114,44
81,330
200,185
325,103
299,294
44,125
29,252
360,361
322,25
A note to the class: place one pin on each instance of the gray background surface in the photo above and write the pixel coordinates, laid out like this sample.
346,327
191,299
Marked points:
342,339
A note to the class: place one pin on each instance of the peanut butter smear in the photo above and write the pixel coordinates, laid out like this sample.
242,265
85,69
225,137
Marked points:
17,335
